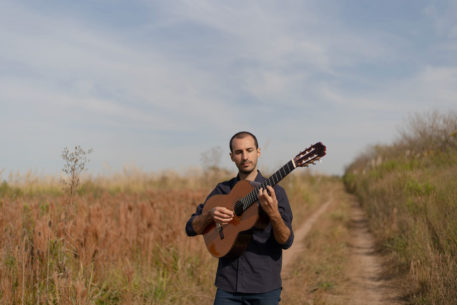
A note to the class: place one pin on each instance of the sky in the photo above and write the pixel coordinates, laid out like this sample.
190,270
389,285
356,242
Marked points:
156,85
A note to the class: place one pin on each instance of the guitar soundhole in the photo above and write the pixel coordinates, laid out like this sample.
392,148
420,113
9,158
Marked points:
239,208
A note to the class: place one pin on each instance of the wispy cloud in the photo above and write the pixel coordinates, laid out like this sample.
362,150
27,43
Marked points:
163,77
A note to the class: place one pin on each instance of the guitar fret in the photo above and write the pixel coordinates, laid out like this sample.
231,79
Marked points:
251,197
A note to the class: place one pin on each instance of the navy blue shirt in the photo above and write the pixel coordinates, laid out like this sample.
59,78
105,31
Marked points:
258,269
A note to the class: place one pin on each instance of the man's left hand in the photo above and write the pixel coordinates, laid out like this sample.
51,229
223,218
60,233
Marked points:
268,201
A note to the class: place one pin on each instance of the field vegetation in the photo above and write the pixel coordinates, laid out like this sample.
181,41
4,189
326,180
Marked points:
119,240
409,191
319,274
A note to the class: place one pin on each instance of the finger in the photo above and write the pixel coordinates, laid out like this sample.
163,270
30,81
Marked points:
272,191
226,212
223,220
264,191
262,195
221,216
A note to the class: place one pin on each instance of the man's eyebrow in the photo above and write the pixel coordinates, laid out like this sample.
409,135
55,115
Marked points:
249,148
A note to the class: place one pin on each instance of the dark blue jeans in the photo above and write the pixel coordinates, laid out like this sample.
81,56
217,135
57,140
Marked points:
232,298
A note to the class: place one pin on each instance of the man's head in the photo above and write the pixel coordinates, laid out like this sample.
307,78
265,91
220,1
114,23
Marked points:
244,152
240,135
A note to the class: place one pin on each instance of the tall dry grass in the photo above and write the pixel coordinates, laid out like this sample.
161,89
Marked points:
409,190
121,239
318,274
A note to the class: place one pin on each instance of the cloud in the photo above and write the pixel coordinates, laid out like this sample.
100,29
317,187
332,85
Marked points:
168,76
78,66
443,14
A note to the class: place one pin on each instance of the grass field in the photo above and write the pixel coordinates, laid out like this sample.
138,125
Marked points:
119,240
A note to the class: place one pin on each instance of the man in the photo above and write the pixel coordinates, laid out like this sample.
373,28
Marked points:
254,277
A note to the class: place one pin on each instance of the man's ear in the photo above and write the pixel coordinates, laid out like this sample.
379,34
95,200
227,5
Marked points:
258,152
231,156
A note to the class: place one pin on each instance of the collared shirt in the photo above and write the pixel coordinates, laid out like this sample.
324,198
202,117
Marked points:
258,269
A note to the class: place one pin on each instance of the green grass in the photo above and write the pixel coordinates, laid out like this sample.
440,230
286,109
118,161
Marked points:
410,196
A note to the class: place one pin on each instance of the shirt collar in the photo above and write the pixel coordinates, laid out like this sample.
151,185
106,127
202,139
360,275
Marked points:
258,178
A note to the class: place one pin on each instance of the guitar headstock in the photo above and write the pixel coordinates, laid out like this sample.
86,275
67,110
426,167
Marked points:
310,155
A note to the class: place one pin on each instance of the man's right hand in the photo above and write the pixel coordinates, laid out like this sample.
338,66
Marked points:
221,215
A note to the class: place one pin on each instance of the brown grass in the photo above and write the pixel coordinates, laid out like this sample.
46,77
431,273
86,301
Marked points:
121,241
121,248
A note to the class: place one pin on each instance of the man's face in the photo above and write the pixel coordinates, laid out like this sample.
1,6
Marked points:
245,154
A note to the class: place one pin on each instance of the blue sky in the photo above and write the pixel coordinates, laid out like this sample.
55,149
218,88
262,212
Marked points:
155,84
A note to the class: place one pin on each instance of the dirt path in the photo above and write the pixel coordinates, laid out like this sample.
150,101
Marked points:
363,283
301,233
366,285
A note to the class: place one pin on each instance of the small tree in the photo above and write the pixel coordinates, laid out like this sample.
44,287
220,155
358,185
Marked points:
211,164
211,159
75,163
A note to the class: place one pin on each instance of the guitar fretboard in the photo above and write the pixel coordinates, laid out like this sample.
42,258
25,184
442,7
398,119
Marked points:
251,197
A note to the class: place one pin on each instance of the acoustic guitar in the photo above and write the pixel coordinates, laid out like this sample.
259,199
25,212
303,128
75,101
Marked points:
232,239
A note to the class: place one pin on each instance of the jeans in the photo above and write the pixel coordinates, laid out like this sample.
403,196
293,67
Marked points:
232,298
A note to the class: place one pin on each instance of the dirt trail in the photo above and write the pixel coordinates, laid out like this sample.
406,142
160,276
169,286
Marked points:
300,234
364,284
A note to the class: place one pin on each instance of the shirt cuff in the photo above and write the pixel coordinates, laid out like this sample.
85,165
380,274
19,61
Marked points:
189,229
289,241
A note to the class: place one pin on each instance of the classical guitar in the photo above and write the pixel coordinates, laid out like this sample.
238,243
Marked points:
232,239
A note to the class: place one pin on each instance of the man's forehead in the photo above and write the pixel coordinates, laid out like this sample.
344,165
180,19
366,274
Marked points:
244,142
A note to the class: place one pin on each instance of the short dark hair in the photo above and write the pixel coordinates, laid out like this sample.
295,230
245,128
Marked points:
242,134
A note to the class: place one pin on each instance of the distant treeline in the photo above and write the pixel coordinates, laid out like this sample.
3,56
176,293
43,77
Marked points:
409,191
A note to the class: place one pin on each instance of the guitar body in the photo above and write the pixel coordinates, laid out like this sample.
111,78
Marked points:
231,239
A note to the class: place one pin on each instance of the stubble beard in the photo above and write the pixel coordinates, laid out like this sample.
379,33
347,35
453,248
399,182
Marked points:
247,171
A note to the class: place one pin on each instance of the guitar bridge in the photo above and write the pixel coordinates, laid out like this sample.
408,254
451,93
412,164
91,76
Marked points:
219,229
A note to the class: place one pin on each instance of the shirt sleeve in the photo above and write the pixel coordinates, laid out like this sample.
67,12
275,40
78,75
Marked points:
286,214
189,229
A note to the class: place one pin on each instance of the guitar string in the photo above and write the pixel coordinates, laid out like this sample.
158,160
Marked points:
251,197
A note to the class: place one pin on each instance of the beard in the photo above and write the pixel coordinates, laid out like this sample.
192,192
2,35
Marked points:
248,169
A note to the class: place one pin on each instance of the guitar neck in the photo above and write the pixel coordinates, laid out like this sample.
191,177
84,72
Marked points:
251,197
